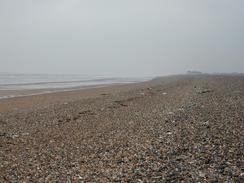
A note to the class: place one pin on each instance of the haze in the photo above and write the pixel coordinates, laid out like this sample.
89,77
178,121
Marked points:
121,37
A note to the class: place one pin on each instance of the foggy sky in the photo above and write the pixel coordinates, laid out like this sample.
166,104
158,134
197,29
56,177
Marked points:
121,37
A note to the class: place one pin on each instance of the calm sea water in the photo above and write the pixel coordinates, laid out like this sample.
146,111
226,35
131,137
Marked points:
48,83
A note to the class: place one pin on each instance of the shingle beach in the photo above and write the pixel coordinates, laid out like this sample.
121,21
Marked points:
170,129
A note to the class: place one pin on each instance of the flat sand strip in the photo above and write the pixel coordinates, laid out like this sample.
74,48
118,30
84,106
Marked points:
54,97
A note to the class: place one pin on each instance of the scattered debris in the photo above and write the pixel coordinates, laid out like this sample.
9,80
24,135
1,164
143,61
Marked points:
204,91
120,102
3,134
104,94
87,112
181,109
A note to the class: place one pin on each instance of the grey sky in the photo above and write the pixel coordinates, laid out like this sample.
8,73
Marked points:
121,37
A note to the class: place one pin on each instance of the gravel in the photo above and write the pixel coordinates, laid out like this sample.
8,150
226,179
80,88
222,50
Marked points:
186,130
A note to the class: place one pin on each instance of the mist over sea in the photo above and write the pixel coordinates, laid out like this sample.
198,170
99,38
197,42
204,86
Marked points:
13,85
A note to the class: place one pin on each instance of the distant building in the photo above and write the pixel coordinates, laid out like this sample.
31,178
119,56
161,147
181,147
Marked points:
194,72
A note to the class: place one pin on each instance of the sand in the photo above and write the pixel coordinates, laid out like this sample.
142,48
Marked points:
172,129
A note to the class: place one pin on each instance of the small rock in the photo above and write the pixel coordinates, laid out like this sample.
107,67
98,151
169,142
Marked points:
201,174
169,133
120,161
104,94
14,136
102,109
25,134
76,118
3,134
80,178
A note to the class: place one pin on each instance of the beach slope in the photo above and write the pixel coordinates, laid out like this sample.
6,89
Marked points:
171,129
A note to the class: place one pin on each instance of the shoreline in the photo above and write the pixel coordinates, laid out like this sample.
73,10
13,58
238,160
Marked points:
21,85
43,97
59,96
9,94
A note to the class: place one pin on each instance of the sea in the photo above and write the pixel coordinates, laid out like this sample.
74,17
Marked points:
15,85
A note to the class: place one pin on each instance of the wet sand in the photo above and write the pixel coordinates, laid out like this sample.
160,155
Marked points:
172,129
32,99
